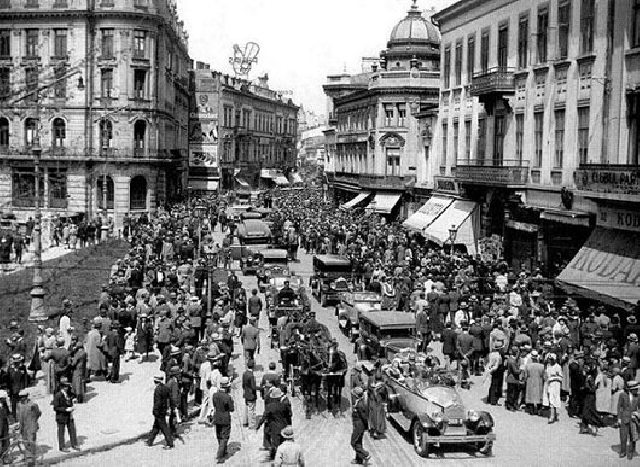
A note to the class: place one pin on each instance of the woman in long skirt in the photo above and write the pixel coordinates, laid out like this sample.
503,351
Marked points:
553,376
589,413
603,391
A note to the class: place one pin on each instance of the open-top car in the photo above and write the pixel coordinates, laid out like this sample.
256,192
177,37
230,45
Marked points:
275,286
383,333
350,307
427,405
251,261
329,280
274,263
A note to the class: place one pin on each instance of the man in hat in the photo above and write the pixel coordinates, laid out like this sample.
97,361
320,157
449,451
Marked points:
114,347
161,403
28,415
337,366
357,379
289,453
63,407
278,415
633,352
629,418
96,359
223,406
174,388
250,338
250,396
360,420
496,371
16,380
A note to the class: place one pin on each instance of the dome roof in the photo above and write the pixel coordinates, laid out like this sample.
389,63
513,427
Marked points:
415,28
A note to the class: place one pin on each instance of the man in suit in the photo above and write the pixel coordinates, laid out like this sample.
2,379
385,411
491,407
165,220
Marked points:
250,395
223,404
627,405
448,338
278,414
17,381
28,415
464,346
113,349
360,419
422,328
161,403
251,339
475,330
63,407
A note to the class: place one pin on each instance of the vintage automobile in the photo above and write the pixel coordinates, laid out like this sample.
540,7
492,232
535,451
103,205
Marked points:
329,280
276,284
251,261
274,263
254,232
384,333
350,307
431,410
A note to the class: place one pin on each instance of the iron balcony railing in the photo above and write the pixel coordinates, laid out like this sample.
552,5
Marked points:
504,172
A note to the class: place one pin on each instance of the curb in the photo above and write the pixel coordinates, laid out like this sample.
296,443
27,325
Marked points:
60,458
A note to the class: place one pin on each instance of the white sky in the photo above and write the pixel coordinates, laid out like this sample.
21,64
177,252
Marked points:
301,41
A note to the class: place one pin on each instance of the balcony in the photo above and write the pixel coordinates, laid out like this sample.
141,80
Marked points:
508,173
387,182
609,181
493,84
346,177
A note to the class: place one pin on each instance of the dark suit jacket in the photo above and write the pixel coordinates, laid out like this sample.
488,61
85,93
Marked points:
626,407
277,414
161,400
360,416
249,387
60,405
465,344
449,338
223,404
112,344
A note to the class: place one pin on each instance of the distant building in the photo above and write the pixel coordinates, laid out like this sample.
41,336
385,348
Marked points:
101,89
379,147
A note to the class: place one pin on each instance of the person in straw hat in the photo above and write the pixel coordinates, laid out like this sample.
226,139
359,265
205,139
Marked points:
360,420
629,419
223,406
289,453
63,407
161,403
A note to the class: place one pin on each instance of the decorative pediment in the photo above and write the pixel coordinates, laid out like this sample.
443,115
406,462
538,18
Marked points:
392,140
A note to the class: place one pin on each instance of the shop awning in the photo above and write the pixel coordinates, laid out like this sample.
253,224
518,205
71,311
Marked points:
461,214
281,181
242,182
355,201
607,268
424,216
567,217
384,203
296,178
203,185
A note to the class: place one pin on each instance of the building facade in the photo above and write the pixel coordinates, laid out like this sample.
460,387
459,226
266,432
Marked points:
99,91
538,125
380,141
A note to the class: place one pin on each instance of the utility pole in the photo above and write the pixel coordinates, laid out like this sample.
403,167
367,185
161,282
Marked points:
38,311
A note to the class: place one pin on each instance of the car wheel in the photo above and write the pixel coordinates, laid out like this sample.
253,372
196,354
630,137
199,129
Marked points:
419,440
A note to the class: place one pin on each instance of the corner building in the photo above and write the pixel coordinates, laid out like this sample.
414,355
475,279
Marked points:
100,87
538,124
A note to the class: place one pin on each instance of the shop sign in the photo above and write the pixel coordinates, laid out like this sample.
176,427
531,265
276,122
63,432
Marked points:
445,185
205,82
203,131
203,156
615,218
604,180
522,226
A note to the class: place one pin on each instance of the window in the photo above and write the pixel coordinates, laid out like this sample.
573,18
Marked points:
519,137
60,43
585,76
31,132
100,194
388,114
402,114
635,39
521,90
467,139
523,42
5,83
471,57
445,143
140,44
227,117
587,26
4,132
458,69
57,188
456,136
564,20
559,155
393,161
107,43
484,52
447,67
32,43
543,31
538,119
106,134
60,86
541,80
5,42
107,82
24,187
32,84
498,147
140,4
139,81
561,82
139,137
482,139
503,46
59,133
583,135
138,193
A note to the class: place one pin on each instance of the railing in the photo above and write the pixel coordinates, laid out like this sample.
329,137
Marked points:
609,179
95,155
346,177
387,182
505,172
493,80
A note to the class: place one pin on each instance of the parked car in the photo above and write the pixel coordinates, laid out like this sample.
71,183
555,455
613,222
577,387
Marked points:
330,278
274,263
350,307
384,333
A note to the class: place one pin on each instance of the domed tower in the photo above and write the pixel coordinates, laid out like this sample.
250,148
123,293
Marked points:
414,43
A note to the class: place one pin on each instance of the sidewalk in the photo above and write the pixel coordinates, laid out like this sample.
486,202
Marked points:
28,257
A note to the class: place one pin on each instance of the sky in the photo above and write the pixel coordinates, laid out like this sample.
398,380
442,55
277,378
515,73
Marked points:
301,41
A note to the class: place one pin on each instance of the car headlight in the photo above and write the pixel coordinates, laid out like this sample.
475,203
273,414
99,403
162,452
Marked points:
437,417
473,416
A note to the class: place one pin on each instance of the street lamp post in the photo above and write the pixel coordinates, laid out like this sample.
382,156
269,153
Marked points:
38,311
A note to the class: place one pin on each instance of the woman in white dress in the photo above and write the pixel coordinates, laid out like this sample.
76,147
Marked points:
603,391
553,376
617,386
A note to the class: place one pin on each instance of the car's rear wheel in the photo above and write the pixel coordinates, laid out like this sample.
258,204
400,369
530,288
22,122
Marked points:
419,440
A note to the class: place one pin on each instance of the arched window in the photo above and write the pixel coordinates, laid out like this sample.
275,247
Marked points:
31,132
100,194
106,134
4,133
59,133
139,136
138,194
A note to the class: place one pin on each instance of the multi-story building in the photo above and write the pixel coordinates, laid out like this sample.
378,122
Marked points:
97,93
537,126
380,140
